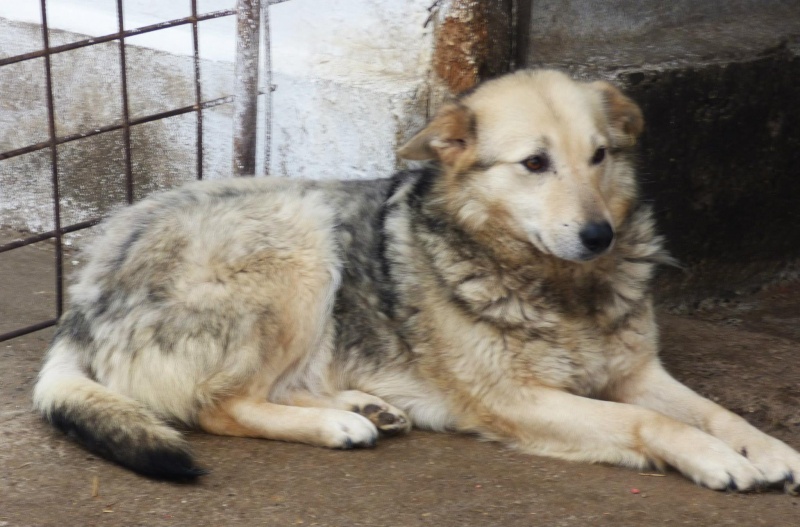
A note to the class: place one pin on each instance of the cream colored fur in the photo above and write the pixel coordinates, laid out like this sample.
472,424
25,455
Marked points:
464,296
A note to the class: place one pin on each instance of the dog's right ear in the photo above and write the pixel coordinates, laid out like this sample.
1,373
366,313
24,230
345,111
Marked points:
446,138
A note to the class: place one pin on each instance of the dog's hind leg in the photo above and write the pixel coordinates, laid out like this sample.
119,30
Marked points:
388,419
327,427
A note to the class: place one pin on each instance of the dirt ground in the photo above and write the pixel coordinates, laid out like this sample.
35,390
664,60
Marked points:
743,354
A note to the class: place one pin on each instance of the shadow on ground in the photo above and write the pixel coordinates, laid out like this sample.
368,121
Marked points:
742,354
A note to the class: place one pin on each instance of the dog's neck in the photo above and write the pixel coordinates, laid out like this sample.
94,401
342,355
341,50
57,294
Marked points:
504,280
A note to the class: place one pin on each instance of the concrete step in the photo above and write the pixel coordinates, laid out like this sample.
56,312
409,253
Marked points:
720,157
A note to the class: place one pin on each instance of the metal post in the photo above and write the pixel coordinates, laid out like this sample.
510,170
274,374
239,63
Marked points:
51,127
53,140
245,88
126,116
267,84
198,95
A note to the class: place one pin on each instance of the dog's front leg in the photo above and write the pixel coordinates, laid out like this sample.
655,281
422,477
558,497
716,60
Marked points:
652,387
558,424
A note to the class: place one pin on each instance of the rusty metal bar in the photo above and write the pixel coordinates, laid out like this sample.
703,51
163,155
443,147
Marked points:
245,88
250,14
29,329
198,95
49,234
114,36
126,116
51,126
113,127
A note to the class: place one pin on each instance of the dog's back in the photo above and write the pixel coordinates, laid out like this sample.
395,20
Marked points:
171,312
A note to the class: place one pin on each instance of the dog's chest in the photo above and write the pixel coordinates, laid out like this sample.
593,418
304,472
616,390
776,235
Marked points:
567,354
578,337
580,357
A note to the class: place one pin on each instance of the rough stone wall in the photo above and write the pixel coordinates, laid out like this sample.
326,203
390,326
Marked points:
351,81
474,41
355,78
720,162
86,86
571,20
717,82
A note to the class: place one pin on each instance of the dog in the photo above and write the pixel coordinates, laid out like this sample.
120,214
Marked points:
502,289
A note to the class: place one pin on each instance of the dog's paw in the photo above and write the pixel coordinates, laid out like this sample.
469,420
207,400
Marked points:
777,461
345,430
388,419
727,473
711,463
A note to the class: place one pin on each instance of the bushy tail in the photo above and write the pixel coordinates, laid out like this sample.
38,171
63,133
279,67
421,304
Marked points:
109,424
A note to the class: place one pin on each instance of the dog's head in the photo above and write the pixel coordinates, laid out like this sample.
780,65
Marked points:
540,153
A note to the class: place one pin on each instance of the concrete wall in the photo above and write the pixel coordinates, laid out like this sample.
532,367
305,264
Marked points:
605,38
590,19
718,83
351,81
86,85
353,78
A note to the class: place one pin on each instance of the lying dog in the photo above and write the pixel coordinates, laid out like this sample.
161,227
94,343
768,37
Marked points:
503,290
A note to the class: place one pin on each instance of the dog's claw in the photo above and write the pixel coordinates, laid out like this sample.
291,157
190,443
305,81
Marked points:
790,486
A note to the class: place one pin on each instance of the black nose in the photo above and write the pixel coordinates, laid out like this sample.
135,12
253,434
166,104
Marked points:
597,237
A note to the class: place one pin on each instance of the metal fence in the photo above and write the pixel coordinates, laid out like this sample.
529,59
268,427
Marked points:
252,26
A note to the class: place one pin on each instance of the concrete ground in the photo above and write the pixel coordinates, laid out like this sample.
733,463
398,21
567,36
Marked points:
743,354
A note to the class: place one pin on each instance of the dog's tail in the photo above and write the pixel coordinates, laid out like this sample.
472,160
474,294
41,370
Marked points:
106,423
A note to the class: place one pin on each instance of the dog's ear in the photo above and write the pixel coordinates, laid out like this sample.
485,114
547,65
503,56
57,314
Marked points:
446,138
624,116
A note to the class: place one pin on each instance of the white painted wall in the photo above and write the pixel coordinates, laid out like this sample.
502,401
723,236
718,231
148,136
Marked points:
350,77
99,17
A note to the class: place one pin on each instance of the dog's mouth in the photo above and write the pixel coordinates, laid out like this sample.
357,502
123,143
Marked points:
536,240
576,251
588,256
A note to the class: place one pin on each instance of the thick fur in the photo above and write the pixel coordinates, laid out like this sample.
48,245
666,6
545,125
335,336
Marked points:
463,296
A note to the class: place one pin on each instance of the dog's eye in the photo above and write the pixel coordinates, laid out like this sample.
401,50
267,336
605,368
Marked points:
599,155
536,163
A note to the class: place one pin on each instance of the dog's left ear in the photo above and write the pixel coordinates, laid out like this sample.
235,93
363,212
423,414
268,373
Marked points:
446,138
624,116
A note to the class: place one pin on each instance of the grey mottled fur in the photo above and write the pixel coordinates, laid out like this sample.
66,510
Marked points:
463,296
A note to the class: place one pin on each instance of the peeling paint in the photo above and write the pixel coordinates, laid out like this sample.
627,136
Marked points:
352,81
461,45
473,42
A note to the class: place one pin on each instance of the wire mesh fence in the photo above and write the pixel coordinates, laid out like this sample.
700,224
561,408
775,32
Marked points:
252,37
